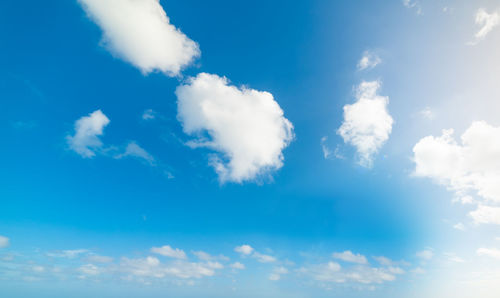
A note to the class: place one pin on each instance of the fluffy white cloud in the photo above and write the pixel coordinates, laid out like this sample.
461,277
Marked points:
263,258
348,256
4,241
369,60
244,249
473,165
152,267
168,251
367,123
489,252
86,140
487,21
486,215
140,33
134,150
245,126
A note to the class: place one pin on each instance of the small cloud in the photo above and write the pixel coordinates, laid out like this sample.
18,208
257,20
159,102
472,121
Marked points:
413,4
69,254
427,113
452,257
277,273
487,21
237,265
148,114
263,258
244,249
348,256
459,226
168,251
368,61
489,252
4,242
134,150
426,254
99,259
418,270
86,140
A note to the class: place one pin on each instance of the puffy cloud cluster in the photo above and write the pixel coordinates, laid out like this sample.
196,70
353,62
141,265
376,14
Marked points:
88,129
247,250
486,21
140,33
367,123
245,126
473,165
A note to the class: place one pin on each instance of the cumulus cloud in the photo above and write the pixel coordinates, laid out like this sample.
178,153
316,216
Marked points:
367,123
348,256
140,33
245,126
237,265
489,252
486,21
4,242
368,61
168,251
244,249
473,165
86,140
134,150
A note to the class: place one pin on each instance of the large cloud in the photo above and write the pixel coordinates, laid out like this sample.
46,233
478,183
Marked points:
470,166
140,32
86,140
367,123
245,126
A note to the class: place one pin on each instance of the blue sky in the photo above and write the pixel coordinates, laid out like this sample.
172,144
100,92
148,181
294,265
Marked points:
264,149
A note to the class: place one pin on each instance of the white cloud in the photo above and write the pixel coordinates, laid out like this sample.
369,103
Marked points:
99,259
87,131
277,273
327,152
452,257
237,265
487,21
425,255
247,127
367,123
486,215
244,249
4,242
489,252
69,254
148,114
348,256
208,257
472,166
168,251
427,113
369,60
413,4
152,267
140,33
134,150
89,269
263,258
459,226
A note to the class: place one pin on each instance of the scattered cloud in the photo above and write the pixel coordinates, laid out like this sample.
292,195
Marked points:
487,21
69,254
489,252
452,257
262,258
470,166
86,140
4,242
134,150
208,257
368,61
89,269
245,126
348,256
140,33
413,4
327,152
427,113
367,123
99,259
459,226
168,251
277,273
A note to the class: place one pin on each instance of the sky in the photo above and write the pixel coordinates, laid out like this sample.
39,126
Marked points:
250,149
